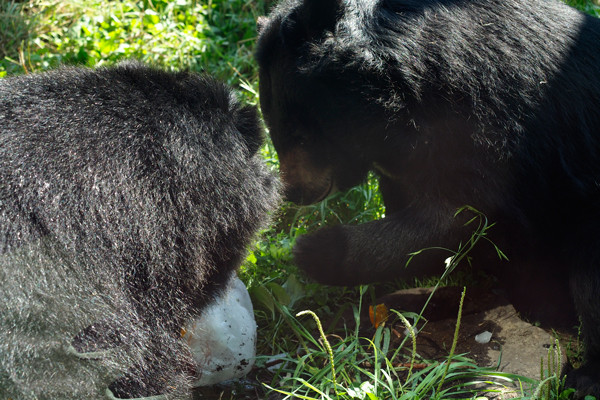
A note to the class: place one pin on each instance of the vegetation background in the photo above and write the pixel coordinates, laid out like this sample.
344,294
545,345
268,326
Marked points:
218,37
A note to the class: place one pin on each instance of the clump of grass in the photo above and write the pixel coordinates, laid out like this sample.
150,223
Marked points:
368,368
552,384
591,7
93,32
215,36
15,30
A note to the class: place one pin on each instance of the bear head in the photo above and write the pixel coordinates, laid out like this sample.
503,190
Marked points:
325,112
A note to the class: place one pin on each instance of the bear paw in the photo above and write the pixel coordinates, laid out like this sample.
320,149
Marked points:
322,256
585,380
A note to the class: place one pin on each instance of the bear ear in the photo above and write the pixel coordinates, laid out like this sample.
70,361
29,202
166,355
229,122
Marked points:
320,15
247,122
261,22
309,21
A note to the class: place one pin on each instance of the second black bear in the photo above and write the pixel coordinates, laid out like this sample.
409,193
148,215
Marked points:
128,196
488,103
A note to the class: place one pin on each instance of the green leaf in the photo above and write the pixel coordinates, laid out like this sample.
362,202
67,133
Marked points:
251,258
151,18
279,293
294,289
261,297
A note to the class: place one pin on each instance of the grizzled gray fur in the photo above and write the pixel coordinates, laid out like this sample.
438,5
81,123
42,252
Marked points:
128,196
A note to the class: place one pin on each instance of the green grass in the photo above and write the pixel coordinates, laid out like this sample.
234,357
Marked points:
14,29
368,368
214,36
589,6
218,36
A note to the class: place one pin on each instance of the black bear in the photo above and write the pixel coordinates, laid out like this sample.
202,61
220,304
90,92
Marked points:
128,196
487,103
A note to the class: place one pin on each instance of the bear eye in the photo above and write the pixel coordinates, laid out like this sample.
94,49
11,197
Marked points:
304,140
299,139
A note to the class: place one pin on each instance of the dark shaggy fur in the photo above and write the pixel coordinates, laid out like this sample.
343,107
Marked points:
490,103
127,198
